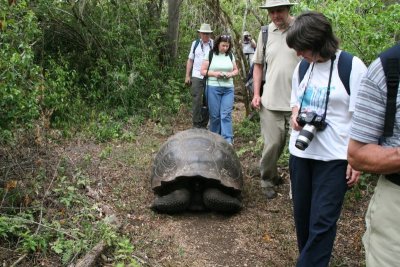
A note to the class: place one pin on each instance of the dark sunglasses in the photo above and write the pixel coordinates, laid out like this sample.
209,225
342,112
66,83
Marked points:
226,37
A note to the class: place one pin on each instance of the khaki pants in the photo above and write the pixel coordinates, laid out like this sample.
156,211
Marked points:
382,236
274,128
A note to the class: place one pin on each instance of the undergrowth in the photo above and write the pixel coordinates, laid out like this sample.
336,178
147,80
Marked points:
46,213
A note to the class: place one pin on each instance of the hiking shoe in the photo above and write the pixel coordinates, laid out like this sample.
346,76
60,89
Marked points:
269,192
279,181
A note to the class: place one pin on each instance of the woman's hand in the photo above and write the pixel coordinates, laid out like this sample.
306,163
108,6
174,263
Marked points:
352,176
294,123
293,119
219,74
229,75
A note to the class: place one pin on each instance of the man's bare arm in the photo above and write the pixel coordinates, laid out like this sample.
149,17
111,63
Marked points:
373,158
189,65
257,78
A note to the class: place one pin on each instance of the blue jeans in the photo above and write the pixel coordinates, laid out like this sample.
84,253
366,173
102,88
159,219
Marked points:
318,189
220,106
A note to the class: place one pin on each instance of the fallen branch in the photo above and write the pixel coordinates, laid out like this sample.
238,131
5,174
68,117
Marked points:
19,260
90,258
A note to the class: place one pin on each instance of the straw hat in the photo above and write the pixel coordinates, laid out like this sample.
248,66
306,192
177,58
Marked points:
274,3
205,28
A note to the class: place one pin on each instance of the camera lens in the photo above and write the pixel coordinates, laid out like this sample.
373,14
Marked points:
305,137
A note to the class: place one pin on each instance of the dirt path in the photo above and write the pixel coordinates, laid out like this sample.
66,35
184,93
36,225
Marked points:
262,234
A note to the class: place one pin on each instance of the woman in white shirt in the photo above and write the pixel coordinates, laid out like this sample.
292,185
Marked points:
321,117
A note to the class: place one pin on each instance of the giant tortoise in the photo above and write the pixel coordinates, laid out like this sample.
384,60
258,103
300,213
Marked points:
196,170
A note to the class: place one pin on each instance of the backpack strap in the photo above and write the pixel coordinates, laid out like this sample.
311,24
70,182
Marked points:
264,32
345,63
196,44
210,56
303,67
390,63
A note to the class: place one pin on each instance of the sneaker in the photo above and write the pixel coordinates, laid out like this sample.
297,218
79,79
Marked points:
279,181
269,192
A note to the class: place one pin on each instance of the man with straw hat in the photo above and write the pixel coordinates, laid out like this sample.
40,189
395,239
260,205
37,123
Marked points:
274,103
199,48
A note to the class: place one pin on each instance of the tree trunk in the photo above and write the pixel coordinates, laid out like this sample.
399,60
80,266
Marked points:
173,26
246,11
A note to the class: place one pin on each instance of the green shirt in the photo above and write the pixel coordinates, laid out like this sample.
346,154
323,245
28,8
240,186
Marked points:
221,62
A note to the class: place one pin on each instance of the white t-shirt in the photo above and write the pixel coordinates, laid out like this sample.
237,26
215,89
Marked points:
201,50
331,143
248,48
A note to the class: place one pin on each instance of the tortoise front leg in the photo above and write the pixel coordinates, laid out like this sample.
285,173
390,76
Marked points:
216,200
174,202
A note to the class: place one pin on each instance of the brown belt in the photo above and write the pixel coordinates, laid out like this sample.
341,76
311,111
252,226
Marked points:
394,178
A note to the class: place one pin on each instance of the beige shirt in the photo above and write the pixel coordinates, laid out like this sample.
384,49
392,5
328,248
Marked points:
281,61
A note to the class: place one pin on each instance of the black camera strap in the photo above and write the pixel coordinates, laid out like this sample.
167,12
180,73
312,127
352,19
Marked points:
305,88
328,91
210,56
329,86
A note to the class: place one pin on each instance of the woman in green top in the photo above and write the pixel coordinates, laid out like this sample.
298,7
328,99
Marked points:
220,89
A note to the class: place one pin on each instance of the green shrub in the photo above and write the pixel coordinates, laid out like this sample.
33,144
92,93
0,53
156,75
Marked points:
19,74
365,28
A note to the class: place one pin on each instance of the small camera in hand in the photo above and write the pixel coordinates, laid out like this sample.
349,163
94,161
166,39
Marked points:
247,38
311,122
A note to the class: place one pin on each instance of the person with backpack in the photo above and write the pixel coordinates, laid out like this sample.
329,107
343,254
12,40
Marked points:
219,68
321,116
279,60
198,50
375,147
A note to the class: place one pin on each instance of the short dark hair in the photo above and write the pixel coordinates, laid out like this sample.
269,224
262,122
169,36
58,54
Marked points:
222,38
313,31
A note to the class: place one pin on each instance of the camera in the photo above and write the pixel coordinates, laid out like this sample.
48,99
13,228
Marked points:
246,38
311,122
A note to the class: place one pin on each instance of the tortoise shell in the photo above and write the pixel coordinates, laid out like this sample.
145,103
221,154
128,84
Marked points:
197,153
